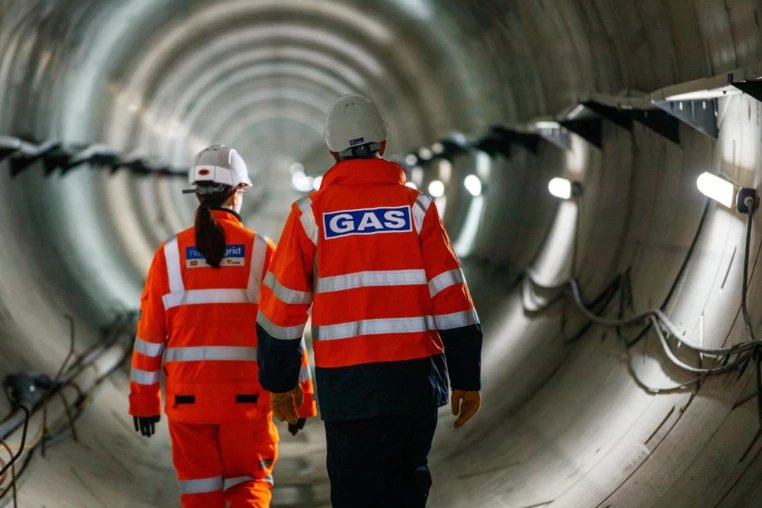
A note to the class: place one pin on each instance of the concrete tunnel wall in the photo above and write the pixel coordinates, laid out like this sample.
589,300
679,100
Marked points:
562,425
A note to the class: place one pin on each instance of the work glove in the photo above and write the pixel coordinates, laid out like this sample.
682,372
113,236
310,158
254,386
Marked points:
465,405
284,405
146,425
294,428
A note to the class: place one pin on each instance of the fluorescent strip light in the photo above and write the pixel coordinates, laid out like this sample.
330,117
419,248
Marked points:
717,188
560,188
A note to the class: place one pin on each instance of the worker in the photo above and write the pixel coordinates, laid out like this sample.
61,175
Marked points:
392,318
198,311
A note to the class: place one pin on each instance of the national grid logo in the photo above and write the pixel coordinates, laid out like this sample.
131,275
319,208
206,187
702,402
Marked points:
367,221
235,255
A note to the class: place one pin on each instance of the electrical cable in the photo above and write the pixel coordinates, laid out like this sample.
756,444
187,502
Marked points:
13,474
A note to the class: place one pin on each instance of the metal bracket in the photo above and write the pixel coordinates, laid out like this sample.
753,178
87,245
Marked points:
699,114
752,88
528,140
557,136
21,162
656,120
589,129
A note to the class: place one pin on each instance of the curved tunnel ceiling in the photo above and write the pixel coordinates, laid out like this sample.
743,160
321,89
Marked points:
571,416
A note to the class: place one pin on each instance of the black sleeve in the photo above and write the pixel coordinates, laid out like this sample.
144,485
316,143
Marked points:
463,351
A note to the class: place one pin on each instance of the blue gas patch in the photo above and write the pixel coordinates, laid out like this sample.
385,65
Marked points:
235,255
367,221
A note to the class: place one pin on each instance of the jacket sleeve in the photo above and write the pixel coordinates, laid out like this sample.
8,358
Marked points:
145,393
308,408
452,306
285,299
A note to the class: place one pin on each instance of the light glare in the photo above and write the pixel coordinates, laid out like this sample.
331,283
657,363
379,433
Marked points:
560,188
436,189
473,185
714,187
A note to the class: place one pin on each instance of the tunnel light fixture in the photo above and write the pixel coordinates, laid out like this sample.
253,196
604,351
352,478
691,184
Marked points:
411,159
563,188
412,185
473,185
547,124
726,193
425,154
436,189
316,182
437,148
297,167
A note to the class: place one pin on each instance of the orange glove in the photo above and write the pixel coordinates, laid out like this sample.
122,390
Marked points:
284,405
465,405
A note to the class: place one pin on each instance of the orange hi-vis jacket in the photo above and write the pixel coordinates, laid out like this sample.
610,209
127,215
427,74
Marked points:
391,309
201,321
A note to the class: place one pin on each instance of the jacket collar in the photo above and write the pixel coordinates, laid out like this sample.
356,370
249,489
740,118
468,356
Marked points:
363,172
226,214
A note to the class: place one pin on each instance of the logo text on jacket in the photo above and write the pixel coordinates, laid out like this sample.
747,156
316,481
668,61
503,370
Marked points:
235,255
367,221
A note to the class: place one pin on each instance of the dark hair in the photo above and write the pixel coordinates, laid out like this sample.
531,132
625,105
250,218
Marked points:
210,236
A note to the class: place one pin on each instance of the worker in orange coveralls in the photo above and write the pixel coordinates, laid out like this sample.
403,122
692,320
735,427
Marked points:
392,318
198,312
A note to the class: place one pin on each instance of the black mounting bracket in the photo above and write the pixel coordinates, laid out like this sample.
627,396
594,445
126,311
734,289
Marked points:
20,163
699,114
654,119
557,136
752,88
589,129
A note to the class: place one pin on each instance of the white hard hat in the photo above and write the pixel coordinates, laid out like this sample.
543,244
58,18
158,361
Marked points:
353,121
219,164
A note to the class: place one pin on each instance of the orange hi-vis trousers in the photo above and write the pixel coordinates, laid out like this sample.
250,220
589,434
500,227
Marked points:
224,463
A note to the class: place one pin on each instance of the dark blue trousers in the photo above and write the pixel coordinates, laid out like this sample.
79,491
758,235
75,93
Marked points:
380,462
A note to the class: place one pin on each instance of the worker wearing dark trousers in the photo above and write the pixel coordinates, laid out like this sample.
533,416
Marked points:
392,318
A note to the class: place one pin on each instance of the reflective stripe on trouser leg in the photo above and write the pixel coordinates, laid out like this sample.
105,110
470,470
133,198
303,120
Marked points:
201,486
229,483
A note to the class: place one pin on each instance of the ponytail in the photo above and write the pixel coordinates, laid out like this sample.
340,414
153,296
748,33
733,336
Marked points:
210,236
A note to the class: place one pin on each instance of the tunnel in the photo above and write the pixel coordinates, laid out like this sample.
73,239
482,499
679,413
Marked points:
619,365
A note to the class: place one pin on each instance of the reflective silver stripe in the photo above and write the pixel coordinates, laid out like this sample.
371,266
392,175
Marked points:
258,254
201,296
456,319
285,294
445,280
370,279
198,353
374,327
308,219
280,332
201,486
229,483
172,256
148,348
143,377
305,374
419,211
